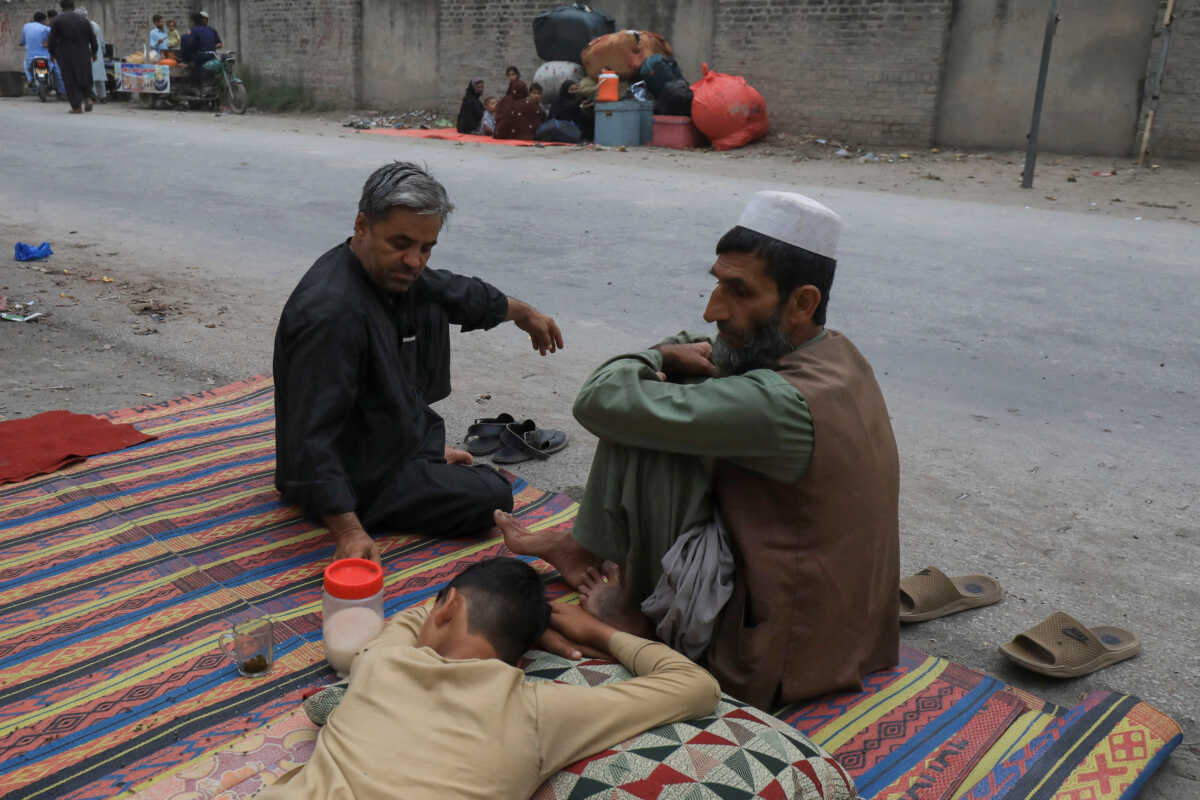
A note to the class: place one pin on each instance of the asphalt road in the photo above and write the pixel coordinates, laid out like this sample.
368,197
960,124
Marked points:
1041,367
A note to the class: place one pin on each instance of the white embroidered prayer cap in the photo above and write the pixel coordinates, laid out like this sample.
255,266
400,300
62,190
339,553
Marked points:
794,219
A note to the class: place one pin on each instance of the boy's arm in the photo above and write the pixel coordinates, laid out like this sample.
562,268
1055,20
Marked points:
577,721
405,626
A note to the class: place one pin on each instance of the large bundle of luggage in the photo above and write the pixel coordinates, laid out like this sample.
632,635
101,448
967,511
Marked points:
561,34
623,52
580,42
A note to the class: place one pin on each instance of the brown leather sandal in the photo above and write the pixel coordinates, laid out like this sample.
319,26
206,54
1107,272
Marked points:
931,594
1061,647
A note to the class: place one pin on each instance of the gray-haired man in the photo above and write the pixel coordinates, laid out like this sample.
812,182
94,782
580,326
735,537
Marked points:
362,349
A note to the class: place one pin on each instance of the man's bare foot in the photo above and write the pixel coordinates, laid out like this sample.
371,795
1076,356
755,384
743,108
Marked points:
604,595
558,550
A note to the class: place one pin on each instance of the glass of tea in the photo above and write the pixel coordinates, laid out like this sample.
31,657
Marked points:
248,644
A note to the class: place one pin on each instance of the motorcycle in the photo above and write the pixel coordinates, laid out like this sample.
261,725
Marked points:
220,84
43,78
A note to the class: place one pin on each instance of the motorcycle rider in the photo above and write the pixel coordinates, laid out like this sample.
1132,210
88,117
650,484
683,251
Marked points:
33,39
198,43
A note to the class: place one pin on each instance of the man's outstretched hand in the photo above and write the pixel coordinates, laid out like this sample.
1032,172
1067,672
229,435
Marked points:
456,456
543,331
351,539
574,633
357,545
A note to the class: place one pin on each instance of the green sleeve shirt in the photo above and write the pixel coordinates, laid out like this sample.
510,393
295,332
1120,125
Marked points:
756,420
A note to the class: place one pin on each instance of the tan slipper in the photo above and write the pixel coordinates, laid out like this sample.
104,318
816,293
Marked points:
931,594
1061,647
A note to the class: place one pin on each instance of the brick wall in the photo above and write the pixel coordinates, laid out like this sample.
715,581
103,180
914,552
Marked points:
865,70
481,38
313,42
1177,123
868,71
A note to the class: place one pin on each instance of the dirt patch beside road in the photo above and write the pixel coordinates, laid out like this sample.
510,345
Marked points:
107,337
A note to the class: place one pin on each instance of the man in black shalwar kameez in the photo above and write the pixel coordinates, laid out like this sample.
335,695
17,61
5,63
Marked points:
362,349
73,45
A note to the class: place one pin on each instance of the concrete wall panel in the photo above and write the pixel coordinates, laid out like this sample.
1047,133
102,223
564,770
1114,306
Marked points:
400,52
1093,91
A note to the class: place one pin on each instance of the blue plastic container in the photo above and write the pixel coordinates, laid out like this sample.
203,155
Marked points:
627,122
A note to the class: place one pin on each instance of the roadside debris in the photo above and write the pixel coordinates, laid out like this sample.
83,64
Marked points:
416,118
27,252
18,312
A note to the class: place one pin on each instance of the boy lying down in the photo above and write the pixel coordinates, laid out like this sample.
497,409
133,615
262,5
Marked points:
437,709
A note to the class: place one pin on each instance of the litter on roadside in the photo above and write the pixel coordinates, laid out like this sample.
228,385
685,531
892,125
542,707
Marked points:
27,252
12,316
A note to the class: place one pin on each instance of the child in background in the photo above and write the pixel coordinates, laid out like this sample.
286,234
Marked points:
537,94
173,39
488,126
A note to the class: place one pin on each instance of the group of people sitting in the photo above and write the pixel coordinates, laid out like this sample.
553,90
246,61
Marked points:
739,527
522,114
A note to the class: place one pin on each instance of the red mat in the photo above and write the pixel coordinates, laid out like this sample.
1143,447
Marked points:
451,135
51,440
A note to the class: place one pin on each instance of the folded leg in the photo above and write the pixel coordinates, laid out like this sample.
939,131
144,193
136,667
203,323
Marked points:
438,499
636,504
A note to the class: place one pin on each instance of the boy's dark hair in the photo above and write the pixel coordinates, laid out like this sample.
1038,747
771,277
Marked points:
67,5
39,16
789,266
536,87
513,69
507,604
197,19
156,18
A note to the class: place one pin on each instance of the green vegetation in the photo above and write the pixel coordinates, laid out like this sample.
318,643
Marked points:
274,94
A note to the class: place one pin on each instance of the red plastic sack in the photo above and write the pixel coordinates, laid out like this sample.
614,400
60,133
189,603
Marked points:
728,110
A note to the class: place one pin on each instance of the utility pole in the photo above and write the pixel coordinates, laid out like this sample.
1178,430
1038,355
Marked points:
1156,80
1031,152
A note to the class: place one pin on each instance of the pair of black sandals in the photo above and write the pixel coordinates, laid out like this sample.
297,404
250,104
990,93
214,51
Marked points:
510,442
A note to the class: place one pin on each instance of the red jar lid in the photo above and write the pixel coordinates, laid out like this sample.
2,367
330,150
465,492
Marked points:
353,578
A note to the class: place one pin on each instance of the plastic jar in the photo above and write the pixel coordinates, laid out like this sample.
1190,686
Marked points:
609,87
351,609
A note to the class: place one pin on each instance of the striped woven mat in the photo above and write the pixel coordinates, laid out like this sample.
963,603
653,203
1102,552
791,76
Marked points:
118,575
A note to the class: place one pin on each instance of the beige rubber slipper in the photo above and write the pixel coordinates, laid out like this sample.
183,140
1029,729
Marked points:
1061,647
931,594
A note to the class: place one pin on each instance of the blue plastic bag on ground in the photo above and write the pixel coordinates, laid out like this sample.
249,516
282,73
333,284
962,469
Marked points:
27,252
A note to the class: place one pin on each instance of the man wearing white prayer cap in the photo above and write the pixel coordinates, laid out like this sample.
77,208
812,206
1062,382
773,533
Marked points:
743,500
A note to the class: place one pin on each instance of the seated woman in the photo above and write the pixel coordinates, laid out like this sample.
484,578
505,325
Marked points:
517,117
568,122
470,113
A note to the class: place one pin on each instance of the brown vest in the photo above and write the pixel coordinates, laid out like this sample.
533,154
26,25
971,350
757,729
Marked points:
815,604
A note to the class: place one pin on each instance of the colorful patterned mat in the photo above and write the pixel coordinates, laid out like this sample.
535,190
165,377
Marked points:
117,576
929,729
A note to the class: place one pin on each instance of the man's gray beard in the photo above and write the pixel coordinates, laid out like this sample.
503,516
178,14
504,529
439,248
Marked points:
766,347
